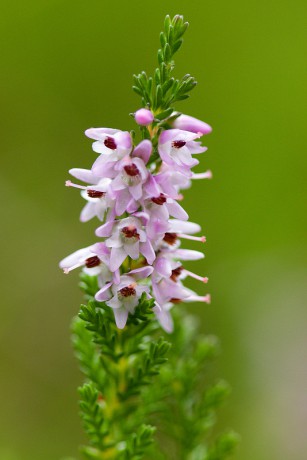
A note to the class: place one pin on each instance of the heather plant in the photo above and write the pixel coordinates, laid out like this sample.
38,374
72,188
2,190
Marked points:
149,389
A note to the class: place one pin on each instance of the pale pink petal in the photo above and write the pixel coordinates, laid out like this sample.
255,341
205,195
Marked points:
188,254
114,302
88,212
123,140
105,230
163,266
196,147
136,191
100,133
151,187
176,210
123,198
75,257
169,135
165,319
118,255
143,150
102,295
85,175
141,273
132,250
147,250
178,226
121,316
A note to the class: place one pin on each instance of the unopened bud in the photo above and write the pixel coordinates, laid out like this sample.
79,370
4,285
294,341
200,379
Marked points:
187,123
143,117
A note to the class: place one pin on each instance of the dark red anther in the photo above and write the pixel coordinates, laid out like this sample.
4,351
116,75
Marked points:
110,143
131,170
170,238
176,272
130,232
159,199
178,144
92,262
127,291
174,300
95,194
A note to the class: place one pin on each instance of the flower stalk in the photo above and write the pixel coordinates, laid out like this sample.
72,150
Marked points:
132,278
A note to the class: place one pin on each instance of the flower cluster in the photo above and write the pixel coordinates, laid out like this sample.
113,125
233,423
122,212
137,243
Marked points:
134,190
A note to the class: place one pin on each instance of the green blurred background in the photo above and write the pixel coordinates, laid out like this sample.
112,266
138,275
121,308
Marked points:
67,66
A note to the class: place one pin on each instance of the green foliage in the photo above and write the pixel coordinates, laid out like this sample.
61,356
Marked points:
137,443
161,91
134,376
92,415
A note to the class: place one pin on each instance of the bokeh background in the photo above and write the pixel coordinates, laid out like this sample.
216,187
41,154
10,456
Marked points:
67,66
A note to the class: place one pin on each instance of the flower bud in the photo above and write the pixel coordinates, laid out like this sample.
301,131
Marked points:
187,123
143,117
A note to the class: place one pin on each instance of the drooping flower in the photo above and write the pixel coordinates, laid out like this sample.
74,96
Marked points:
94,261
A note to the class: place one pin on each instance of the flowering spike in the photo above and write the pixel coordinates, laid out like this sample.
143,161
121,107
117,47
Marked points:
133,275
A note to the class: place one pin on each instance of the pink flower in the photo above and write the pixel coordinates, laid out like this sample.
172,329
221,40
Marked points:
124,296
128,184
94,261
110,141
97,194
128,238
176,148
112,145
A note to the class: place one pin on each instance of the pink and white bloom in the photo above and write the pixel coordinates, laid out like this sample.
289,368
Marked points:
97,193
127,187
124,295
187,123
176,148
110,141
94,261
112,145
127,238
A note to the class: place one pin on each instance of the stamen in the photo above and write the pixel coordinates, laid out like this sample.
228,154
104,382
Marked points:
197,298
160,200
204,175
197,277
132,170
110,143
178,144
130,232
202,239
95,194
93,261
127,291
66,270
170,238
69,183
